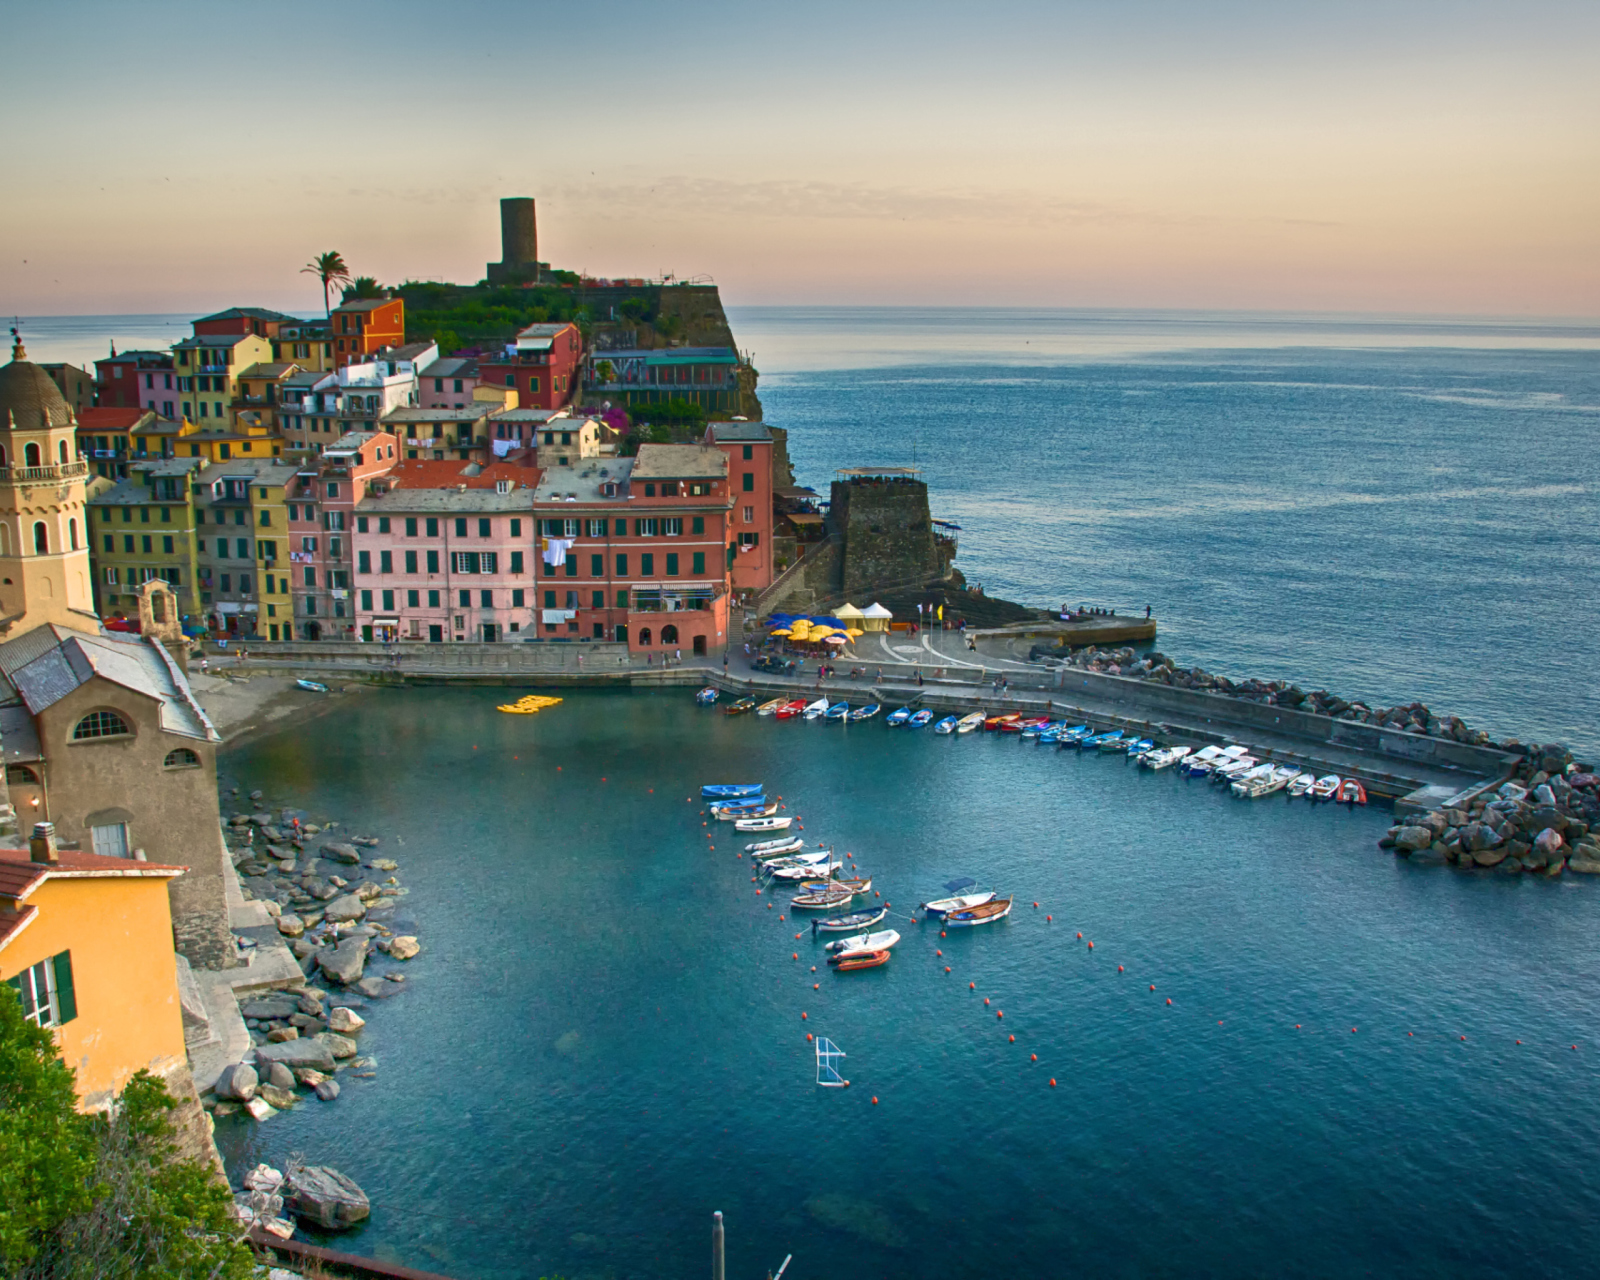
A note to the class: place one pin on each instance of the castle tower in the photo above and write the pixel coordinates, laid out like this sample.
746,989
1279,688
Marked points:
44,519
519,243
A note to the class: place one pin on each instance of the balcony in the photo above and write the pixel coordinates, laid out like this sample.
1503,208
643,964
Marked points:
57,473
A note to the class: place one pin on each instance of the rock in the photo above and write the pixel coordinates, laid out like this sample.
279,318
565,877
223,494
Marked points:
263,1178
344,964
1584,866
341,852
342,1019
384,864
345,909
279,1077
308,1003
1479,836
291,926
339,1046
1489,857
1548,842
326,1197
307,1052
282,1035
260,1109
303,947
237,1082
376,988
404,947
327,1090
1558,864
281,1099
269,1007
1410,839
1428,857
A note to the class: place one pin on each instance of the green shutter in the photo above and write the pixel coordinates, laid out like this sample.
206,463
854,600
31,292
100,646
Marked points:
699,563
66,998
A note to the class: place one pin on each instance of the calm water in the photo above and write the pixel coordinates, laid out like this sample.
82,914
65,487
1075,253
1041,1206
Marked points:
602,1040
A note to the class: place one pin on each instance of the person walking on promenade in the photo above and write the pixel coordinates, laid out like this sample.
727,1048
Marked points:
879,680
919,678
1147,611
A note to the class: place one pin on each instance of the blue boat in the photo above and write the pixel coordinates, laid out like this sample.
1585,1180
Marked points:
722,790
1138,748
706,696
1046,732
1071,737
897,718
921,718
736,802
866,712
1102,741
947,725
838,711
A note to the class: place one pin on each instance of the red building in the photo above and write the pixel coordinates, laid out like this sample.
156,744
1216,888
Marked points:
361,328
748,446
542,365
242,320
132,379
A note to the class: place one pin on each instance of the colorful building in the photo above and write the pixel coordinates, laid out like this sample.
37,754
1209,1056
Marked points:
133,379
241,320
207,369
243,545
261,390
437,434
322,503
447,383
307,343
363,327
142,529
106,439
223,441
748,446
77,386
86,943
542,365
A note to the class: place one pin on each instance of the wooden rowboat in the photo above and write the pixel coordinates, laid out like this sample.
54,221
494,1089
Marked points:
861,960
821,899
857,886
851,923
983,913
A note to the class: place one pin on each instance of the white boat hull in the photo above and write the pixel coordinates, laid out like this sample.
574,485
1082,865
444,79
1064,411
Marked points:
763,824
866,942
943,906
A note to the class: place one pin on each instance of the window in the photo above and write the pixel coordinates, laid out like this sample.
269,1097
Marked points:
413,599
147,543
388,601
672,564
461,527
516,562
594,528
166,544
699,564
622,526
649,491
333,520
644,636
647,565
385,562
111,544
182,758
433,526
572,565
518,598
598,600
622,566
549,599
699,488
646,528
747,481
483,527
127,544
749,539
466,562
333,488
433,600
308,544
597,566
749,452
622,598
433,562
486,599
361,524
366,601
311,576
101,724
111,576
383,524
266,518
488,562
411,526
45,991
697,524
672,527
465,599
41,535
411,561
363,562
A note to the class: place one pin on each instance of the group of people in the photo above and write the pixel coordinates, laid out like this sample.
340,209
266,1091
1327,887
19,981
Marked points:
1075,615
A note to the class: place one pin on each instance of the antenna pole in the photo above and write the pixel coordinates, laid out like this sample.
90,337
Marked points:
716,1246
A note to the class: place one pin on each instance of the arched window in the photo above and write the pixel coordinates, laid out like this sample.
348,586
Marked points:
101,724
30,455
669,634
72,533
644,636
182,758
41,535
2,456
20,774
61,447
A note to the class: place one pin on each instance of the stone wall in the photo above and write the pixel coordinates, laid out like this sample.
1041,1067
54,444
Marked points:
888,534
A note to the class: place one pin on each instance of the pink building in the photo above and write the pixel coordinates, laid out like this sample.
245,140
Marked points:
444,554
448,383
748,446
322,501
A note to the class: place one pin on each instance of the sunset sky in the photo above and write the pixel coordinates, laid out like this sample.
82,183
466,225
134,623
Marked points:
1413,157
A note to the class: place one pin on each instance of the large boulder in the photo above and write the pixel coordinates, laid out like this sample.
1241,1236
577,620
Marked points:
340,852
1480,836
238,1082
326,1197
404,947
1488,857
345,908
305,1052
1410,839
270,1008
1549,843
279,1077
291,925
339,1046
342,1019
1584,866
344,964
281,1099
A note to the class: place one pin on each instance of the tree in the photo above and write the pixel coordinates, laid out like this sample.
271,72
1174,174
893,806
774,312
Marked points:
329,268
84,1197
362,287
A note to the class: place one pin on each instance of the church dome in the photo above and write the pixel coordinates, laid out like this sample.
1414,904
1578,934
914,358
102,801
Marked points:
28,397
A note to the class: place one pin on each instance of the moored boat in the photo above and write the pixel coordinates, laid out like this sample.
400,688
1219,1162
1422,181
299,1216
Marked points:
947,725
880,941
856,884
1139,748
706,696
962,897
805,871
1301,784
1231,771
850,921
920,719
861,960
1256,781
1073,736
866,712
1021,724
1352,793
897,718
983,913
816,710
740,707
969,722
777,847
1163,757
825,899
790,709
1202,762
778,823
769,708
316,686
994,723
733,812
1326,787
838,711
727,790
805,864
1098,741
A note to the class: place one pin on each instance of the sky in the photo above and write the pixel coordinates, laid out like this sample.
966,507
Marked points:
1423,158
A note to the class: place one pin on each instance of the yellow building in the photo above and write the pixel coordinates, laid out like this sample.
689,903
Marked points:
86,942
308,344
208,368
224,442
44,529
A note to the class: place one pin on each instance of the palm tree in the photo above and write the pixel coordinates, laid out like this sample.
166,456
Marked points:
327,267
362,287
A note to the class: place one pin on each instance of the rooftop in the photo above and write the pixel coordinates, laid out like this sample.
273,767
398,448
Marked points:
365,304
270,471
679,462
107,418
213,340
544,330
532,415
250,313
582,483
46,664
268,370
467,413
672,355
457,500
351,441
410,351
427,473
451,367
737,431
20,875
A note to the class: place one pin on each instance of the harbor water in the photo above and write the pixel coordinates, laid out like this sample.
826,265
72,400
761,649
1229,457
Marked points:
603,1039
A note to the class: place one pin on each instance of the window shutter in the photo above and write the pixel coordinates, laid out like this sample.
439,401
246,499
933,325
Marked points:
66,998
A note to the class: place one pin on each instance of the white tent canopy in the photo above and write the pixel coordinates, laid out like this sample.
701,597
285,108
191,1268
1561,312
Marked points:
875,617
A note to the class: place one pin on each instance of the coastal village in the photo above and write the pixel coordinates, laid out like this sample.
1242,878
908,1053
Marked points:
346,500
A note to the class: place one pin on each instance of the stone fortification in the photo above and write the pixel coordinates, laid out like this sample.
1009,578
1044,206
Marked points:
888,534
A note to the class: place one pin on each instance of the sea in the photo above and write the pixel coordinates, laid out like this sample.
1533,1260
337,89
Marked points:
1366,1068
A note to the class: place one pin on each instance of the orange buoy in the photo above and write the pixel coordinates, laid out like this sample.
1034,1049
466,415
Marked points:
602,779
1013,1039
1519,1042
1049,917
797,937
1119,968
846,1084
769,905
876,894
986,999
999,1013
813,968
1169,999
1297,1026
1052,1082
938,953
972,986
1152,986
874,1100
816,986
1412,1033
802,1017
1091,946
1033,1057
941,933
796,955
947,968
758,893
1352,1031
808,1035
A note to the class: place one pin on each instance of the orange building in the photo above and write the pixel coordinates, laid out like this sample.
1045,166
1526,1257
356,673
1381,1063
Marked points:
364,326
86,942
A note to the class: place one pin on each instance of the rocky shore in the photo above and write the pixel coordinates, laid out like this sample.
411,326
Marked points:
1542,822
335,906
1411,717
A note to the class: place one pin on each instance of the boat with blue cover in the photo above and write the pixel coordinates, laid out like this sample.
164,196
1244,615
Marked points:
866,712
947,725
838,711
920,719
1137,748
1098,740
706,696
1073,736
897,718
722,790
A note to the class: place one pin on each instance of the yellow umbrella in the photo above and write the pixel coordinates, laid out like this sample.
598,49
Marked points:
781,631
854,632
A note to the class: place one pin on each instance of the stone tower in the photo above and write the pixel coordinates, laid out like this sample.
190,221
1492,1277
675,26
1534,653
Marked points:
44,519
519,243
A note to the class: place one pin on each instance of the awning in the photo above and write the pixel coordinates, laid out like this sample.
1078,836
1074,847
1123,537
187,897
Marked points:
386,622
803,517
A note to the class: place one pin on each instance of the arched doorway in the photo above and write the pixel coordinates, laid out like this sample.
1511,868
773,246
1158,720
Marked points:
61,448
700,646
30,455
41,535
669,634
644,637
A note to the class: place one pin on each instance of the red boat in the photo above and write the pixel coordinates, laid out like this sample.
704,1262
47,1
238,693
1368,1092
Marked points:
1000,722
860,960
1351,792
790,709
1031,722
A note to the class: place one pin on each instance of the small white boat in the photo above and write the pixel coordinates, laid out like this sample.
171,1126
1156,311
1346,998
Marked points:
1201,762
706,696
970,722
1326,787
809,871
820,898
816,710
780,823
1301,783
1163,757
1252,782
311,686
1234,769
866,942
961,897
732,813
783,844
810,863
947,725
865,713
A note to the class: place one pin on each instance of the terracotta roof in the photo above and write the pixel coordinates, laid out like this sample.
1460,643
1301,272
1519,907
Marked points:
428,473
108,418
249,313
20,875
11,925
